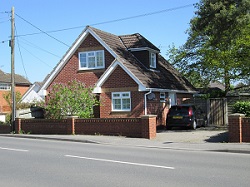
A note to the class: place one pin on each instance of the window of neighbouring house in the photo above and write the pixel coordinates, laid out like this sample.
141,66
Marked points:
162,97
4,86
121,101
152,60
91,60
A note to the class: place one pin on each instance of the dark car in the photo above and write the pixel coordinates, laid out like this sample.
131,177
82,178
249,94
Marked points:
185,115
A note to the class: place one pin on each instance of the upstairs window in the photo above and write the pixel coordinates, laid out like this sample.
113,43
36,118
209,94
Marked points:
91,60
152,60
4,86
121,101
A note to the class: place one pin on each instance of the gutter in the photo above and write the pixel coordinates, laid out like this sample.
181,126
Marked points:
169,90
145,102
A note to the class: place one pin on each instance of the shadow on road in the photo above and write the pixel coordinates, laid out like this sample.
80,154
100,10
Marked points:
219,138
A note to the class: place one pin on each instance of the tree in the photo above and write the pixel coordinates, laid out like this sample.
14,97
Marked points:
8,98
218,43
70,99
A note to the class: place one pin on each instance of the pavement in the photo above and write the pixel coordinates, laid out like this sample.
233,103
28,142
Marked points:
215,140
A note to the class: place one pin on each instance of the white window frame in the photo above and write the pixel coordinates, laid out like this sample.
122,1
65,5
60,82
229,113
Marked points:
152,60
172,98
5,86
94,56
121,96
162,97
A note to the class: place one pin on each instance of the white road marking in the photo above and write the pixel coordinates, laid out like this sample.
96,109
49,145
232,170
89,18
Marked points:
10,149
120,162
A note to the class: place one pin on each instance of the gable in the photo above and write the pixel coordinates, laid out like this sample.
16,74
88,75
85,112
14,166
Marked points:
119,79
109,72
93,41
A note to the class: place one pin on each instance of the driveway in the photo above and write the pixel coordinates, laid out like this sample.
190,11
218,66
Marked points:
200,135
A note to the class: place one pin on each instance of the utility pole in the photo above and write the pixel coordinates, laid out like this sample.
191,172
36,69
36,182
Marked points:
13,95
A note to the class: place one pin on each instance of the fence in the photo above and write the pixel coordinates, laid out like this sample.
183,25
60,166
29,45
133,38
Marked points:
216,110
144,127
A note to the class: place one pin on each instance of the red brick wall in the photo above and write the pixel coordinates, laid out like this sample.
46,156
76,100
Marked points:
130,127
71,70
120,81
4,129
42,126
144,127
137,103
149,131
238,128
245,129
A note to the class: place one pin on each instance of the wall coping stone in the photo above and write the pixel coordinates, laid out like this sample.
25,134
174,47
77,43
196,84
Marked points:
237,115
148,116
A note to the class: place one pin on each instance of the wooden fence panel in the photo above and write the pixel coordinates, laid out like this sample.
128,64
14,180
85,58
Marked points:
218,113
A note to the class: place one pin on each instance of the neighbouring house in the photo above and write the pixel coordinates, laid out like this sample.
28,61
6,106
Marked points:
128,74
214,89
21,85
32,94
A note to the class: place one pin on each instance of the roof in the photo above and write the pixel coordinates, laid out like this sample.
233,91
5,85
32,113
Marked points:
137,41
6,78
165,78
240,91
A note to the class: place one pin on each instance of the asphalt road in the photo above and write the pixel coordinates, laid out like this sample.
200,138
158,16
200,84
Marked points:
30,162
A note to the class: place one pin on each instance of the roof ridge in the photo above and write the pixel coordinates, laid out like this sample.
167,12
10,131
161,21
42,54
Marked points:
93,28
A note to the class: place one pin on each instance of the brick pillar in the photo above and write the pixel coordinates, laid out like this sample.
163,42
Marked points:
235,127
18,125
245,129
148,123
71,125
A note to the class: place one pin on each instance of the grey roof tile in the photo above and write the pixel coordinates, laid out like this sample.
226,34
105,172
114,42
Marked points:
166,77
6,78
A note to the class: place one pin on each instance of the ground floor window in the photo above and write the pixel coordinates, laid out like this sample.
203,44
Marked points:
121,101
172,99
162,97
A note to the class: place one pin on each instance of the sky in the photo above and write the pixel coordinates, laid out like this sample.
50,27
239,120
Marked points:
45,29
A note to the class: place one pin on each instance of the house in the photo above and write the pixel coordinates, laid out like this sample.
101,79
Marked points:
21,85
128,74
32,94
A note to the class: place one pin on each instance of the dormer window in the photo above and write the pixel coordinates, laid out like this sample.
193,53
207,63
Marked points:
152,60
91,60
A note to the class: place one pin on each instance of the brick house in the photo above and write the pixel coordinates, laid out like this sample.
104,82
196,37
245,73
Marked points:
128,74
21,85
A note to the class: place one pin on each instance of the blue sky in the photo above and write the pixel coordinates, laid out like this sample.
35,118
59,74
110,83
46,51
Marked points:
37,54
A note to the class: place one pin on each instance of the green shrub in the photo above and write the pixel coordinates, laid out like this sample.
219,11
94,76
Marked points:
242,107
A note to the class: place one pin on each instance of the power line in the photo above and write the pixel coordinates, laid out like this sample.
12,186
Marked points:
36,57
44,50
21,54
42,31
112,21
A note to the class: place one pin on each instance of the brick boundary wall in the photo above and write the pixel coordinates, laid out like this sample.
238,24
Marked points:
144,127
5,129
238,128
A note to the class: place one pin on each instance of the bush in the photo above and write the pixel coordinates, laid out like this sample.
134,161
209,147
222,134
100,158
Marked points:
70,99
242,107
